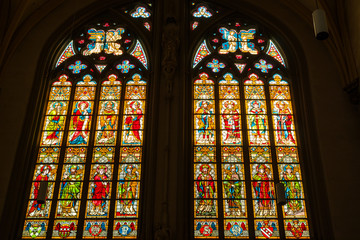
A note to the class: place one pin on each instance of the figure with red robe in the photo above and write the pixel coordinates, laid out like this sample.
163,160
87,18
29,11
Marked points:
133,124
38,209
231,118
264,191
206,190
100,191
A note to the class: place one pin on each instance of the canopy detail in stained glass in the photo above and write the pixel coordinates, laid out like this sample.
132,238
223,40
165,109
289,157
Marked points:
240,67
139,53
100,68
202,12
202,52
274,52
67,53
140,12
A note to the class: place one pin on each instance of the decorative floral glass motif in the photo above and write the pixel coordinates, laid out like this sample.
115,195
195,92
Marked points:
263,66
244,106
215,65
95,111
77,67
125,66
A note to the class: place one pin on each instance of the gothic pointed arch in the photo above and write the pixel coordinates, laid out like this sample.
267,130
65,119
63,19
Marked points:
245,136
87,176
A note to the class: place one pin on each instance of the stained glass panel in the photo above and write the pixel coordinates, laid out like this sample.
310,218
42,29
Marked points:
236,228
125,229
267,229
204,154
95,229
296,229
206,228
65,229
237,58
35,229
87,131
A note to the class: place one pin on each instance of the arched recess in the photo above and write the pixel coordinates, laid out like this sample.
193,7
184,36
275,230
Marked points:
231,50
93,94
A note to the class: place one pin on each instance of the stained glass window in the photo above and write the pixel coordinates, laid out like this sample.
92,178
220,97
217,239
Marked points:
90,152
245,139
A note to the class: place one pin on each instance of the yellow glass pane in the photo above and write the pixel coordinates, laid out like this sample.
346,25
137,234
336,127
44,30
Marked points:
229,92
126,208
279,92
109,108
229,107
204,137
231,154
205,208
101,172
206,172
281,107
255,107
204,154
135,92
235,208
204,92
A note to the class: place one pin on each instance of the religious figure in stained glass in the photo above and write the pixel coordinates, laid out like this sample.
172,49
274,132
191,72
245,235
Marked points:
231,118
133,123
233,187
100,190
70,191
80,123
264,191
38,209
55,123
258,124
284,123
206,189
101,42
128,190
292,191
107,123
237,41
205,122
